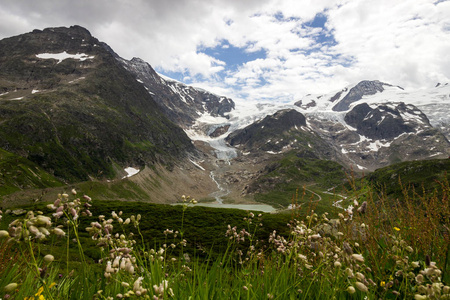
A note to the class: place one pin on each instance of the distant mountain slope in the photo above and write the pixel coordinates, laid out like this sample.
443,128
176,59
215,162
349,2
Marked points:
279,180
363,88
434,102
279,133
423,176
181,103
69,106
18,173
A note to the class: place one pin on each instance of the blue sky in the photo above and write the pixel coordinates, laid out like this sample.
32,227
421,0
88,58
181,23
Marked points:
262,50
233,56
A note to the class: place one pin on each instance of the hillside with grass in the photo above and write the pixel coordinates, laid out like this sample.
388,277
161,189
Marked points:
82,116
295,176
418,177
18,173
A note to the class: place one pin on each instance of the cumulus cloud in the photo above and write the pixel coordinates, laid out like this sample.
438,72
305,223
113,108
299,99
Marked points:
402,42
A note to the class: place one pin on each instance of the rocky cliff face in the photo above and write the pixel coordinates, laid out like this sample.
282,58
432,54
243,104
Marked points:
373,136
69,106
385,122
279,133
356,93
181,103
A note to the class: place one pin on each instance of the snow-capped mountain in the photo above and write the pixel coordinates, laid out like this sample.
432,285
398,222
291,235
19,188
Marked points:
366,126
433,102
375,124
183,104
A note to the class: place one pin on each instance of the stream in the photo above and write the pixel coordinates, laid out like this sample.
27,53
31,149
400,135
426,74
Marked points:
222,192
224,155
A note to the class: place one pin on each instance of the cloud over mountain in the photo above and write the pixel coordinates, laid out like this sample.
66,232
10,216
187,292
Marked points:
262,50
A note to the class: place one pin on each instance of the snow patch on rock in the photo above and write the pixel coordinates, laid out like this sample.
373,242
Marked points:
64,55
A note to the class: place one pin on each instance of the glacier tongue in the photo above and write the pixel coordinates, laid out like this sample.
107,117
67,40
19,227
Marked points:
243,115
222,149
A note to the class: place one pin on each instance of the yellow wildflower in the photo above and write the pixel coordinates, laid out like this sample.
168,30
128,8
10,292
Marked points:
39,292
396,229
383,283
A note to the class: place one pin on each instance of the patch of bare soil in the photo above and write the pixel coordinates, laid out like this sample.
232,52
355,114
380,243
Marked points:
165,186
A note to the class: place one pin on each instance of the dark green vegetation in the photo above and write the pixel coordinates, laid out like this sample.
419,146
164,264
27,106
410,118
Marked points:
417,177
87,116
204,228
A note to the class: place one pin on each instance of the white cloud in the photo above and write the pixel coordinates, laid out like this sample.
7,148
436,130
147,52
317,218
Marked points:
394,40
402,42
405,42
12,24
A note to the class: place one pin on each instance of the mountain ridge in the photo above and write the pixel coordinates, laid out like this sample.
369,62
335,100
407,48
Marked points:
183,104
89,114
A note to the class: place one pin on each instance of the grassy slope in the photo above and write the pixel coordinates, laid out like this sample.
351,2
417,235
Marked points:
18,173
301,179
421,176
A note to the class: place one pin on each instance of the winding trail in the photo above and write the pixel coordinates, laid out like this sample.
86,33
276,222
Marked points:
314,193
335,204
338,202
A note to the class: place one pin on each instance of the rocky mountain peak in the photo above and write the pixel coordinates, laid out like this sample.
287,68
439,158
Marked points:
356,93
137,60
69,106
183,104
53,40
74,31
386,121
261,134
